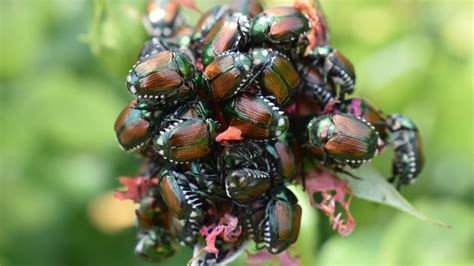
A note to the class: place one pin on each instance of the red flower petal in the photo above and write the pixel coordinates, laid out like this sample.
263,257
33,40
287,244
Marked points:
231,133
333,191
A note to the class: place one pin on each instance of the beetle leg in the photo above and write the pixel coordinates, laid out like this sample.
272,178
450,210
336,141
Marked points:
336,69
321,94
394,172
342,171
194,202
190,233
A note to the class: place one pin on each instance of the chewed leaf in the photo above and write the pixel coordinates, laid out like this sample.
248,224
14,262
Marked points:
374,187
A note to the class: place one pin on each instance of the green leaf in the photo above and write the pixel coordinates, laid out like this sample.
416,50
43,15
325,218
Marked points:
116,33
374,187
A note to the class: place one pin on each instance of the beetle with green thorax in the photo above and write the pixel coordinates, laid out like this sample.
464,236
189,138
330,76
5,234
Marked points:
280,26
228,74
134,125
165,78
276,74
186,139
409,157
342,139
228,34
256,117
282,220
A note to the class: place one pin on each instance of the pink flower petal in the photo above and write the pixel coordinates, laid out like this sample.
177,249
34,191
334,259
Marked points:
333,191
227,229
263,256
137,187
355,107
287,260
259,257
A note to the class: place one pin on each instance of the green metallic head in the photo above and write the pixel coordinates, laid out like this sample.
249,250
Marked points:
319,130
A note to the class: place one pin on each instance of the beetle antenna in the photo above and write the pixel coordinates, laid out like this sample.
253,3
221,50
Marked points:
340,170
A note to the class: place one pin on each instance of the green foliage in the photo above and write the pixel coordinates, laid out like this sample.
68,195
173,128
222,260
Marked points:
62,78
374,187
116,32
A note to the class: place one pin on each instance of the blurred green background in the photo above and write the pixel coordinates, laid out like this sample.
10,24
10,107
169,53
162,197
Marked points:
62,78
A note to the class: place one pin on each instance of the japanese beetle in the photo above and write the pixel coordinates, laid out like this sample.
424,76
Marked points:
134,125
281,26
204,174
316,87
256,117
186,140
251,217
342,138
409,157
180,198
336,67
242,154
364,109
162,17
275,74
154,244
164,78
244,185
207,22
228,34
282,220
246,171
228,74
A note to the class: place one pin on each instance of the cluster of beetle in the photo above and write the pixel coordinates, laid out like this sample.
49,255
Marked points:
224,113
